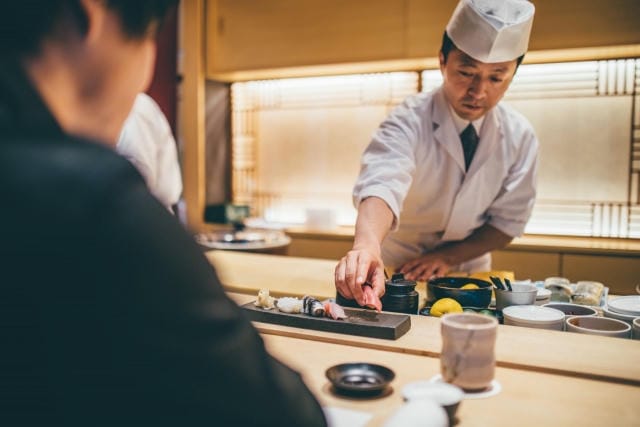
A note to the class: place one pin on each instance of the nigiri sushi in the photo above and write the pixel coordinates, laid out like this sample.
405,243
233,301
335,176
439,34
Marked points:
289,305
312,306
264,300
333,310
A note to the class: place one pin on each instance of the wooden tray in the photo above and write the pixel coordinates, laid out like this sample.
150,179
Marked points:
362,322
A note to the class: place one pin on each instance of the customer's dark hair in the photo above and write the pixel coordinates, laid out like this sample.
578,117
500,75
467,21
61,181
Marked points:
25,23
448,45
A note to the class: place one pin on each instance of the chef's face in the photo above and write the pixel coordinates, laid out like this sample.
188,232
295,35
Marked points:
473,87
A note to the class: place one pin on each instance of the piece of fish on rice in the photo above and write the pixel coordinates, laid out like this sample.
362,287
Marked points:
289,305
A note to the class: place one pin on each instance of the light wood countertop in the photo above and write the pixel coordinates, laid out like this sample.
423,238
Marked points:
527,398
612,359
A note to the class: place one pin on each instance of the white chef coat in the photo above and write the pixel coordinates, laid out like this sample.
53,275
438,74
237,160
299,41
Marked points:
415,163
147,142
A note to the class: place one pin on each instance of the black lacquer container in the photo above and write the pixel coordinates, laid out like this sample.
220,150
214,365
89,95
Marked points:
400,295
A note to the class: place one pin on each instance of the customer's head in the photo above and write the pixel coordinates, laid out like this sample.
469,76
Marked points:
87,58
484,42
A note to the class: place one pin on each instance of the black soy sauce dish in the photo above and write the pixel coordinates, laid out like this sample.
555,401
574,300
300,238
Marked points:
359,379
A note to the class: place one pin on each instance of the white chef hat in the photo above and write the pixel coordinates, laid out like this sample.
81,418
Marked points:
492,30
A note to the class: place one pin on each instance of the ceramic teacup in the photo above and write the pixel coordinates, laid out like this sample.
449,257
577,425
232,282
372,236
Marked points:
468,357
598,326
520,295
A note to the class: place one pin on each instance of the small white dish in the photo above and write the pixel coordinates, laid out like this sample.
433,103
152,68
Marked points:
626,305
606,312
444,394
533,316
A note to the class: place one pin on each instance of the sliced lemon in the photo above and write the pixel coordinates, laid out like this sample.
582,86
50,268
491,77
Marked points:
444,306
470,286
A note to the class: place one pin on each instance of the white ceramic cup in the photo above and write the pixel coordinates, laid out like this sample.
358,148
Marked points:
468,356
593,325
520,295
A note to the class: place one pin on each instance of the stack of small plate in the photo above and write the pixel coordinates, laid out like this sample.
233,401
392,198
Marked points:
624,308
534,316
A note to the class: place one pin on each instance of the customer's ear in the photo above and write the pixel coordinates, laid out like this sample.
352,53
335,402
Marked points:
96,14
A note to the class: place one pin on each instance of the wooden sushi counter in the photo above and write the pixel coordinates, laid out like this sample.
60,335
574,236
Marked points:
555,378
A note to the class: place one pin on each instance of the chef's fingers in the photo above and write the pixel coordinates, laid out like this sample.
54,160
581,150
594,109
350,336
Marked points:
378,280
351,276
340,279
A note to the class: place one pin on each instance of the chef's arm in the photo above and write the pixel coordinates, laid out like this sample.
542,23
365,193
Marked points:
484,239
363,263
374,222
438,262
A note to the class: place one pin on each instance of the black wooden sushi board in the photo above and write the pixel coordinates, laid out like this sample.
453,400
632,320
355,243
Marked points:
362,322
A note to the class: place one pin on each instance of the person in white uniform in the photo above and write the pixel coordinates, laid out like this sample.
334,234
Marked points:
147,142
450,175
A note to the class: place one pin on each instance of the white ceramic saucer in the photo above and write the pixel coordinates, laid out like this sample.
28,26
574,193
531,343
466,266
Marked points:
494,389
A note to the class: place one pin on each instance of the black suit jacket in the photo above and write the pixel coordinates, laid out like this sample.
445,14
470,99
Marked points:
109,313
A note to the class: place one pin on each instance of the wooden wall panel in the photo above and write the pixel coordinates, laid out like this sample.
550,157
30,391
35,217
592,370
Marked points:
620,274
526,264
249,34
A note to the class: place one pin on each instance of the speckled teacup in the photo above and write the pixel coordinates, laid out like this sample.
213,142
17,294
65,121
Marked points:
468,357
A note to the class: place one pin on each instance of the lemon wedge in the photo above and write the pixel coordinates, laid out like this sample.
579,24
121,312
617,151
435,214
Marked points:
470,286
444,306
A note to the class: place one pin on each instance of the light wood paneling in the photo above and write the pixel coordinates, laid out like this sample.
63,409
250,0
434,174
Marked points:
191,108
561,24
249,34
527,265
620,274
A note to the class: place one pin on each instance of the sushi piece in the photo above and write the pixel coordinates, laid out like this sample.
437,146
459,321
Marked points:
371,300
312,306
264,300
289,305
333,310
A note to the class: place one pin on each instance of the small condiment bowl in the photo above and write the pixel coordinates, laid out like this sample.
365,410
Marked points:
520,295
572,309
446,395
636,328
603,326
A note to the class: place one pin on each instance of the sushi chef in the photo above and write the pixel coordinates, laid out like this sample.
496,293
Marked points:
450,175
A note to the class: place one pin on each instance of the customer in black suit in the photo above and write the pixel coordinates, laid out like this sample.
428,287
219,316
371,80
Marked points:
109,313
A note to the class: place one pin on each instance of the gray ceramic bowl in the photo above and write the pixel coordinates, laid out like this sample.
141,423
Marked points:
636,328
598,326
449,287
572,309
520,295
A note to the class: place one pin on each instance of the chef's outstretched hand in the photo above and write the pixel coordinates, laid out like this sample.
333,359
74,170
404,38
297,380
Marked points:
360,275
425,268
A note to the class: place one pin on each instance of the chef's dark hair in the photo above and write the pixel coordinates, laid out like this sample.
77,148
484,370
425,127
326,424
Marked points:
448,45
24,24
